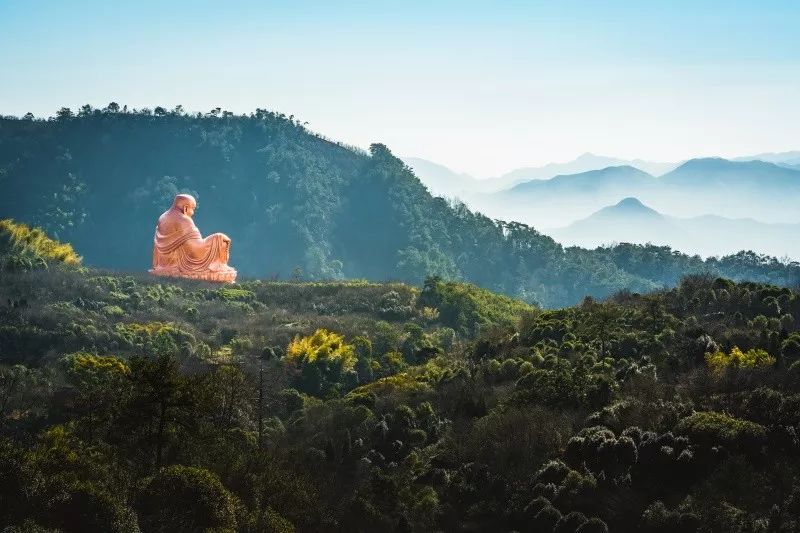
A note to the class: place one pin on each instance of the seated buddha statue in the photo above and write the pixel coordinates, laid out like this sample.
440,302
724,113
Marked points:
180,251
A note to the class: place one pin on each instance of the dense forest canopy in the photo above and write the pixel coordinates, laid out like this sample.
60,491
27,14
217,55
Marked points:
300,206
129,403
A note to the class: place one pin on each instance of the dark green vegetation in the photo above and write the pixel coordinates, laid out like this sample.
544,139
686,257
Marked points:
299,206
128,403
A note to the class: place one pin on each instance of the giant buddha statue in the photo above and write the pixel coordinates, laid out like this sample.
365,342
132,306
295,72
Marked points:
180,251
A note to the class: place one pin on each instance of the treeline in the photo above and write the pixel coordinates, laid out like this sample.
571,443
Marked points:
300,206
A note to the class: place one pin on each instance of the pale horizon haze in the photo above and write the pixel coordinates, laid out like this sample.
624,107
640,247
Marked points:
481,87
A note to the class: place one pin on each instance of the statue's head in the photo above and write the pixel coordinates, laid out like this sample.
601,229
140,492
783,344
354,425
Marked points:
185,203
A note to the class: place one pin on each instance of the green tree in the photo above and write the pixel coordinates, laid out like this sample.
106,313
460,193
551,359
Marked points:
185,499
323,359
161,401
102,386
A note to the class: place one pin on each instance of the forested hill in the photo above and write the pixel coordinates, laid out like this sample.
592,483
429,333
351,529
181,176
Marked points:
137,404
296,204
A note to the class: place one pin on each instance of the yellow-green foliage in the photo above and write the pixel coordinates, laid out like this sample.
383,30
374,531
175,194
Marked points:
83,362
331,286
139,333
468,308
323,346
232,294
719,361
241,345
429,314
713,428
403,382
395,362
414,380
150,329
222,356
496,308
113,310
24,238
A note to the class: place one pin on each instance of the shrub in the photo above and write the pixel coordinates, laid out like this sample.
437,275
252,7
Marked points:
429,314
86,507
570,523
322,346
546,519
712,428
552,472
593,525
185,499
322,359
790,348
719,362
468,308
536,506
272,522
113,311
230,294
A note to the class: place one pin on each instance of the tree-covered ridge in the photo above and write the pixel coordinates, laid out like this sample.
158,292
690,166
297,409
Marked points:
128,403
300,206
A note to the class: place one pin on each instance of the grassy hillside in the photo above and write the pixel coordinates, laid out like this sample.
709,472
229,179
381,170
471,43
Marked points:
58,305
22,247
295,205
129,403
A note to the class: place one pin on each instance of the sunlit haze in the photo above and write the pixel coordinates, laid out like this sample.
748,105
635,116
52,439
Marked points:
481,87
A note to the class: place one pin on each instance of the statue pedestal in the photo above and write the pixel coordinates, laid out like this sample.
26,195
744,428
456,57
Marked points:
221,276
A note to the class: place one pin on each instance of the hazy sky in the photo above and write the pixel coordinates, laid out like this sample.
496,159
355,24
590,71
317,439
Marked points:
482,87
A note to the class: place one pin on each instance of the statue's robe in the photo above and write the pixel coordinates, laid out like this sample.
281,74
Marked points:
179,250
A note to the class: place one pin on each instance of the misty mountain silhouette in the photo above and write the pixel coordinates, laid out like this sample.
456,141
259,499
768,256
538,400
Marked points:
443,180
631,221
735,189
628,207
584,163
620,176
440,180
723,172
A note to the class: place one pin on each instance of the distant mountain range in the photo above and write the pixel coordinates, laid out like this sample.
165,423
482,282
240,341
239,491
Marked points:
593,181
583,163
752,174
631,221
736,189
779,158
444,181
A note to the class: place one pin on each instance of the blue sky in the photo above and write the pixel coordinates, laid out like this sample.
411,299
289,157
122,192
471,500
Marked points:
482,87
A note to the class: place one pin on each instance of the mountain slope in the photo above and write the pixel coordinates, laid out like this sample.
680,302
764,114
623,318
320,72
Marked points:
736,189
444,400
627,221
296,205
618,177
583,163
748,175
566,198
439,179
779,158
